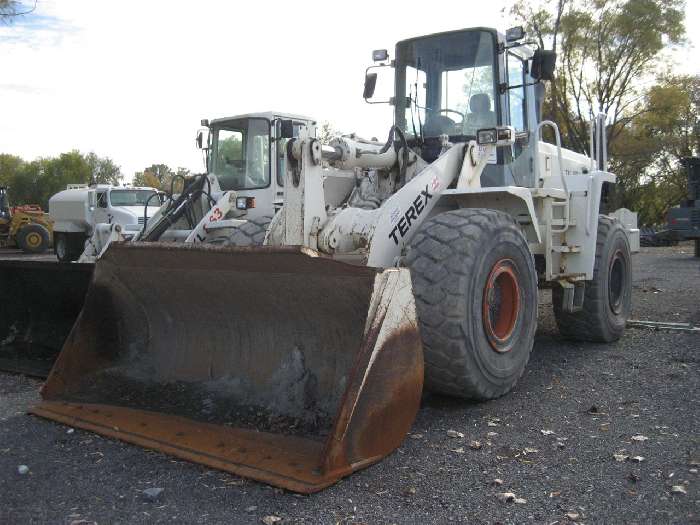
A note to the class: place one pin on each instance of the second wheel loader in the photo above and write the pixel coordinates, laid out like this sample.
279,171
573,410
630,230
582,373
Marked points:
389,266
26,227
231,204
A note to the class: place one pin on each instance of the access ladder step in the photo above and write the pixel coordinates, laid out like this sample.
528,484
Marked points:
566,249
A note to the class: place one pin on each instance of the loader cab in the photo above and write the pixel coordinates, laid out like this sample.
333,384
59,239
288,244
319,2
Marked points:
247,154
239,153
458,82
4,205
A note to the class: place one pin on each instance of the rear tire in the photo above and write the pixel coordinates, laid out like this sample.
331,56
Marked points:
33,238
608,297
475,286
68,246
252,233
697,247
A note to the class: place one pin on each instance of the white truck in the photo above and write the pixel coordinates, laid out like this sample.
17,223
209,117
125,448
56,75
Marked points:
78,209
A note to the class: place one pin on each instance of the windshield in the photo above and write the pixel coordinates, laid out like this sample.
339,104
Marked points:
445,84
239,154
133,198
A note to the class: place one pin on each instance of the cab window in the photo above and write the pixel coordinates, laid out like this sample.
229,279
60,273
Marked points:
282,154
102,199
516,95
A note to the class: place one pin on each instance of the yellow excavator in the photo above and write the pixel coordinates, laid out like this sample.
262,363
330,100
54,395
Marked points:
27,227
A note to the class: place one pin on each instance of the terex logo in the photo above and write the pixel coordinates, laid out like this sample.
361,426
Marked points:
411,215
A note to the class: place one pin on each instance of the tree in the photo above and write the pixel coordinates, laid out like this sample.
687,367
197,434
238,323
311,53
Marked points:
325,132
162,177
605,48
646,155
9,9
36,181
104,170
9,166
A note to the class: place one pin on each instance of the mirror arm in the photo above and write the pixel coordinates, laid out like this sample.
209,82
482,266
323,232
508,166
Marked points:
503,87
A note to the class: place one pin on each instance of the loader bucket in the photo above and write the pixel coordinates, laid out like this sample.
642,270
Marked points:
271,363
39,302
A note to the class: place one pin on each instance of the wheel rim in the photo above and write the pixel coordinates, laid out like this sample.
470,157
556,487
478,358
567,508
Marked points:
61,247
501,305
616,282
33,240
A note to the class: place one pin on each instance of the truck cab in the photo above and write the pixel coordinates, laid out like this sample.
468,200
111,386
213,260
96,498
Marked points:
78,209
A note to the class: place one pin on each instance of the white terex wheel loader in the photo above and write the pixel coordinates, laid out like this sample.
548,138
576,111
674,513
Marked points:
298,362
234,203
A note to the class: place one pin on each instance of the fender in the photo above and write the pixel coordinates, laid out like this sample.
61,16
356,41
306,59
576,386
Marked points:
514,200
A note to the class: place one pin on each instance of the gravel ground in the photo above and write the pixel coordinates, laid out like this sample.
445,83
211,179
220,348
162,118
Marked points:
551,441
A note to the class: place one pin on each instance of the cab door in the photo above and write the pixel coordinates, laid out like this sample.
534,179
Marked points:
101,213
519,165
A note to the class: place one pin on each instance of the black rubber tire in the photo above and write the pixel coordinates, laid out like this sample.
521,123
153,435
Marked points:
68,247
599,320
697,247
252,233
35,231
451,258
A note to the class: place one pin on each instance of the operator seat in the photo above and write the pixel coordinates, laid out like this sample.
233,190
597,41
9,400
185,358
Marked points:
481,115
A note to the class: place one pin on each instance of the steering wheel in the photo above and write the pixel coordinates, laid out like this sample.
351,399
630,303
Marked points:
461,115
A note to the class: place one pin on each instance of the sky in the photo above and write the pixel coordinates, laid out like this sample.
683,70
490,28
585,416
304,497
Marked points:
131,80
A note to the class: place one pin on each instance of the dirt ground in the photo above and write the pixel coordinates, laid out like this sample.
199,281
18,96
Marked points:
592,433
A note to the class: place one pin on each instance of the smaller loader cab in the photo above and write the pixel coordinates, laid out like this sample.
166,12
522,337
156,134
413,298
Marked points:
239,153
4,205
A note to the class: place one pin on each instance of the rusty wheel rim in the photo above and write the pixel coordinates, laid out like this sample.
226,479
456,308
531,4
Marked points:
616,282
501,305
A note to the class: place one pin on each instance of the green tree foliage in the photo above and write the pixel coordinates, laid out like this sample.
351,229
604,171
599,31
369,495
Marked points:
608,53
646,155
325,132
605,48
162,177
34,182
231,148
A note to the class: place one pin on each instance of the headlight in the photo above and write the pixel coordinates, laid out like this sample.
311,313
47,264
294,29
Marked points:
487,136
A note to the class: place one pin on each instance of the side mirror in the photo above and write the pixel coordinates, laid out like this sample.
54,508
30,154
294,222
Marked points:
380,55
286,129
202,139
370,85
515,33
543,65
92,199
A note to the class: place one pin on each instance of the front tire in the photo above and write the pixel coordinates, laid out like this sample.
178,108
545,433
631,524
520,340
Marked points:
33,238
252,233
608,296
475,286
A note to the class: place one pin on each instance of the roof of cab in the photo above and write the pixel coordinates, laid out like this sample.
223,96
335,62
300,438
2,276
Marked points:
269,115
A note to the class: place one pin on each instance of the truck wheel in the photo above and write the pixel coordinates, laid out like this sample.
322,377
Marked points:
252,233
67,247
608,297
475,286
33,238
